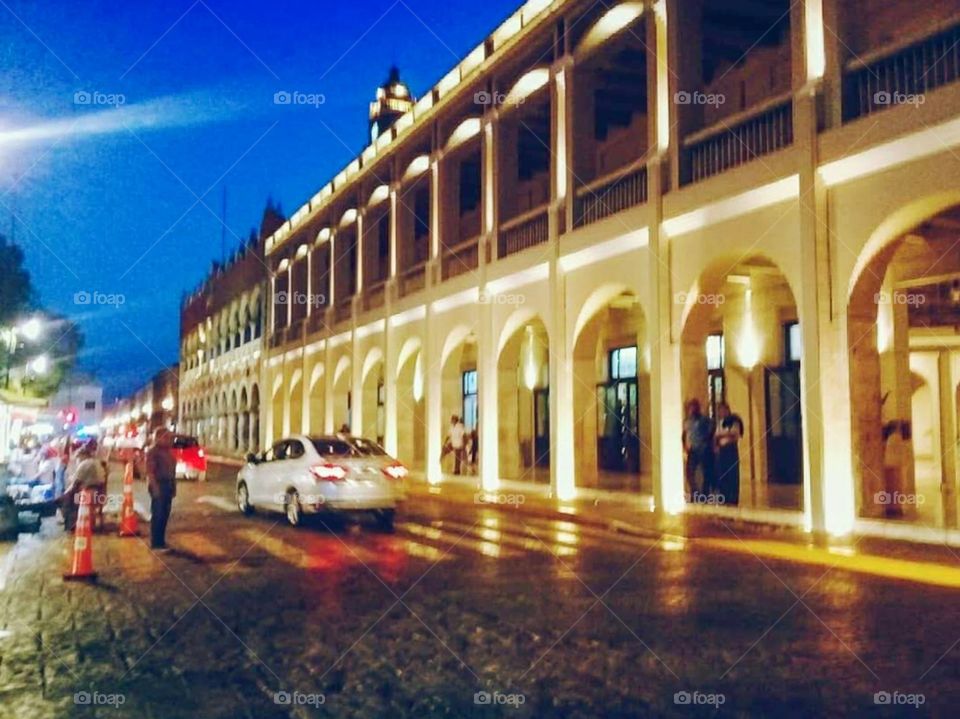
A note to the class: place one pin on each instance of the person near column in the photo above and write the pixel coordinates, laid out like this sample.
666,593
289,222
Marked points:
698,444
726,439
162,476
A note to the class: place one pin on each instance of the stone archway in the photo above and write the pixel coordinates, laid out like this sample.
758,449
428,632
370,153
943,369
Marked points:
741,347
904,349
611,394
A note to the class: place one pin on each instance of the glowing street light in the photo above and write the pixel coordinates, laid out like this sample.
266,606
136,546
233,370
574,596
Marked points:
31,329
40,365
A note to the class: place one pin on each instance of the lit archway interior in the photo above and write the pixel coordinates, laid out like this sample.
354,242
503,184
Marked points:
741,345
611,391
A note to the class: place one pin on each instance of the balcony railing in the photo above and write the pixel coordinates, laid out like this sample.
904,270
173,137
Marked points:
342,310
528,230
461,258
900,74
609,195
317,320
738,139
413,279
374,296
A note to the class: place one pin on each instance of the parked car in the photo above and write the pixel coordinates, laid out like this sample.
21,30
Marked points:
305,475
191,457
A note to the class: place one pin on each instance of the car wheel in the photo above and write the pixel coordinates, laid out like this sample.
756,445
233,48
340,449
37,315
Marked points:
385,519
243,499
292,509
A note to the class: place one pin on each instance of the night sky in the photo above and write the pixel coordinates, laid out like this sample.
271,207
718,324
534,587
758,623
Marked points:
121,123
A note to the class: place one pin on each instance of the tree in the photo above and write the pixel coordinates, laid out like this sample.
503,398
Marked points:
16,289
61,340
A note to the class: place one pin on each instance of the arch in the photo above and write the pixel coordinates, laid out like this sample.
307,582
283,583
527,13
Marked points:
614,21
516,321
417,167
455,338
526,85
316,375
409,348
600,298
897,224
343,365
379,194
466,130
374,356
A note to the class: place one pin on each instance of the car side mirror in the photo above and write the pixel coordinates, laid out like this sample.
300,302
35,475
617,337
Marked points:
252,458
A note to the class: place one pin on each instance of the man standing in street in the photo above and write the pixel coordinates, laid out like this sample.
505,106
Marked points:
162,476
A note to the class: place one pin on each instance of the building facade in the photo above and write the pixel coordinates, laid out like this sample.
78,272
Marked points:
79,399
608,209
132,420
221,341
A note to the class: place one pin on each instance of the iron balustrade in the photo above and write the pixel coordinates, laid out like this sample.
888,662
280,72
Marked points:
900,74
375,296
413,279
610,194
737,140
528,230
461,258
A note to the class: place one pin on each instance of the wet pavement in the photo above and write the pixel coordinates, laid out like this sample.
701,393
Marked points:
465,611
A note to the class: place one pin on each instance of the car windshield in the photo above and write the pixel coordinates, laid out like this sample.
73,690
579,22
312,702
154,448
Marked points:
182,442
331,447
367,448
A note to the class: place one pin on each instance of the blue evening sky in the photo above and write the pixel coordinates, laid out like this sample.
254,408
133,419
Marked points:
125,200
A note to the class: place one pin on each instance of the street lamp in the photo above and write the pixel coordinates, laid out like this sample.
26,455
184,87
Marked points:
31,329
39,365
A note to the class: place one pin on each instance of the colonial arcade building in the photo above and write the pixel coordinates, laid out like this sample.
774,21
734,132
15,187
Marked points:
607,209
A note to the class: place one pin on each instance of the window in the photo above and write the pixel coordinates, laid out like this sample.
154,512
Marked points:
330,447
792,343
366,448
470,402
623,363
294,449
90,405
182,441
715,352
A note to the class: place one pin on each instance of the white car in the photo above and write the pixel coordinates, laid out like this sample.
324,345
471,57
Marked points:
305,475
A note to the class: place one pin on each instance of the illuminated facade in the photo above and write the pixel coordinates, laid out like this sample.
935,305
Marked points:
221,347
607,209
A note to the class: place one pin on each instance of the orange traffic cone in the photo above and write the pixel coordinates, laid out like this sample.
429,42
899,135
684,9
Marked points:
128,516
83,541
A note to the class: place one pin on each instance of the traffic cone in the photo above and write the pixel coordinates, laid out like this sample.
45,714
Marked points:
83,541
128,515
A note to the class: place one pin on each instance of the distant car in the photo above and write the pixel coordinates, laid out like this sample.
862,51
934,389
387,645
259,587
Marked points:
306,475
191,457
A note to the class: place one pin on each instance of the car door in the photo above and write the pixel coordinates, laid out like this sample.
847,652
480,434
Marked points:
263,473
292,471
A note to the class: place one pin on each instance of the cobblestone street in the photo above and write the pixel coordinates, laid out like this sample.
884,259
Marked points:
251,618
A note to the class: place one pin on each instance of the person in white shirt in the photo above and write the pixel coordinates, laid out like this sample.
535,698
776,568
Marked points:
455,442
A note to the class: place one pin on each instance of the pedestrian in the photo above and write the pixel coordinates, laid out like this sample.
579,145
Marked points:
726,439
474,450
455,443
698,444
162,478
88,474
344,428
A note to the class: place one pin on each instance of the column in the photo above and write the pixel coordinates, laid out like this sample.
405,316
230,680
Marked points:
948,438
433,398
488,399
666,403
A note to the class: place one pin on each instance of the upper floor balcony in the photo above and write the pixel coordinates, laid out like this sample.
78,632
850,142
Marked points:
553,126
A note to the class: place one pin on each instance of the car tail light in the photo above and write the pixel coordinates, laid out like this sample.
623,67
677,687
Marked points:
200,453
329,472
395,471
